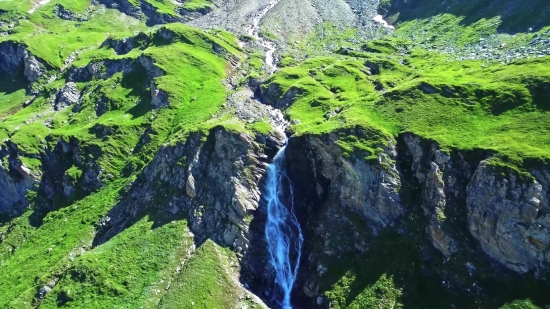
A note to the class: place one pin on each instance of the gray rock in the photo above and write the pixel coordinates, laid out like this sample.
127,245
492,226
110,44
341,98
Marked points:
320,300
15,180
15,58
214,180
503,215
442,181
33,69
159,98
340,194
67,96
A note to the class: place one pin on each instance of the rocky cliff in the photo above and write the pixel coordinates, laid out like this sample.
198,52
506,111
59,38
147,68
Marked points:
345,203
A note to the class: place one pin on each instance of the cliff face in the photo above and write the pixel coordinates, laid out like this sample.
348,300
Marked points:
342,202
508,215
505,211
15,179
16,59
214,180
211,179
470,209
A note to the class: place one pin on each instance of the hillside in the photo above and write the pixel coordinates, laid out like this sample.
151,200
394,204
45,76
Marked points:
281,154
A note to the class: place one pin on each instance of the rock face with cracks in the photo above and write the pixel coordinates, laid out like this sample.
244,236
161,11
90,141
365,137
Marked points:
343,201
15,180
212,179
15,58
507,214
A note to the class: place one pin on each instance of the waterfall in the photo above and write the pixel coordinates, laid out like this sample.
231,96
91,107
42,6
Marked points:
282,230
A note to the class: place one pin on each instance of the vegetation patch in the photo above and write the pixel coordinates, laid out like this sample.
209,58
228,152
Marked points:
459,104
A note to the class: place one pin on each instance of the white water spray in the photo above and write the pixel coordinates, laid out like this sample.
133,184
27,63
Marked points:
282,230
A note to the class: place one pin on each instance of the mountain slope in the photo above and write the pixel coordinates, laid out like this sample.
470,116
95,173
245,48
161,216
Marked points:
136,137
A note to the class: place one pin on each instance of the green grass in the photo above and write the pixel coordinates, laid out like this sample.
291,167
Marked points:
519,19
204,281
20,8
12,94
504,25
262,127
30,263
520,304
145,255
381,294
128,270
196,5
53,40
503,108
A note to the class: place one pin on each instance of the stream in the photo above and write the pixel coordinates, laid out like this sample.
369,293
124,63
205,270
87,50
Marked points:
254,31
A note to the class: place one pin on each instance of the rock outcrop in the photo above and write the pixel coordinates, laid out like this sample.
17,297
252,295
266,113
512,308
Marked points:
67,96
342,202
440,183
212,180
508,215
66,14
144,9
502,209
16,59
100,69
106,68
69,169
15,180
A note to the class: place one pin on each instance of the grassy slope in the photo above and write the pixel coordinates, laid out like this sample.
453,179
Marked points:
510,15
53,39
501,108
150,253
30,264
505,25
129,270
204,281
14,9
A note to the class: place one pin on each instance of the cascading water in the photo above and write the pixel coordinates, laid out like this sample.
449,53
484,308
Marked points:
282,230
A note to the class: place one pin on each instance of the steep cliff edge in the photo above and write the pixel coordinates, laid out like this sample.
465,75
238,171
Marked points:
390,215
440,212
